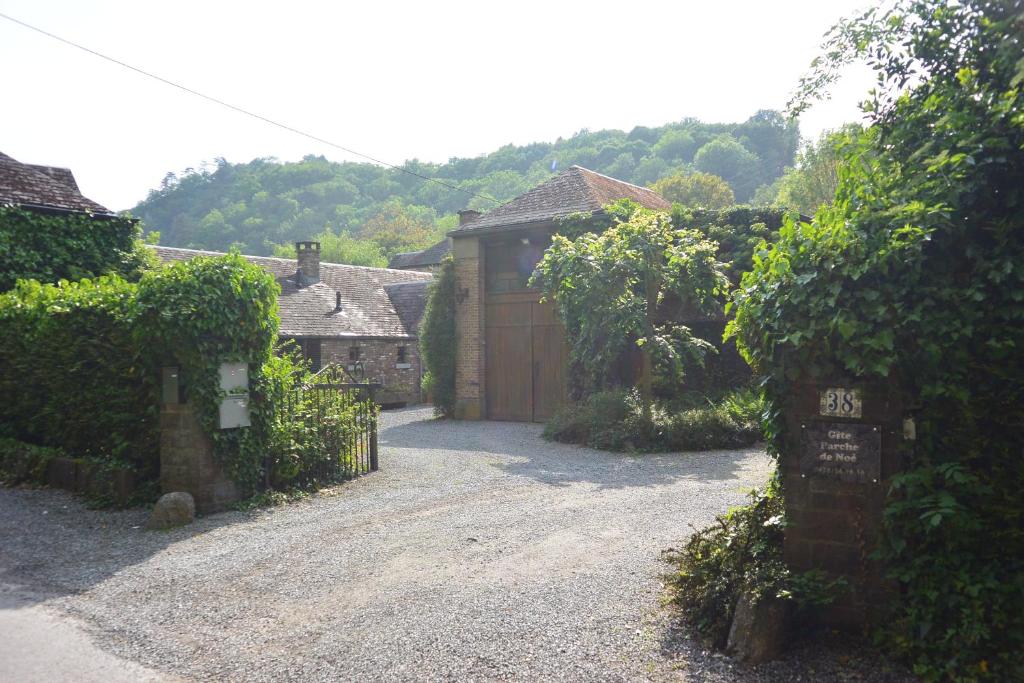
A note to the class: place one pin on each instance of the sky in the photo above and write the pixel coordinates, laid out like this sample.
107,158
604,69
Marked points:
393,80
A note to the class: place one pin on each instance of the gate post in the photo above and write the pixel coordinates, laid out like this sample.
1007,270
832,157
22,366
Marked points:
843,443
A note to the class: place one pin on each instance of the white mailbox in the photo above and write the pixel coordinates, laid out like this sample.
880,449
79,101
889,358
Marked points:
234,407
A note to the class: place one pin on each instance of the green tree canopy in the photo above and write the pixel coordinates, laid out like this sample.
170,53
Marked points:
257,205
727,158
340,249
697,189
608,290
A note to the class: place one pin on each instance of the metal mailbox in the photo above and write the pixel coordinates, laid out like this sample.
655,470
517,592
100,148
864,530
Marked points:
234,407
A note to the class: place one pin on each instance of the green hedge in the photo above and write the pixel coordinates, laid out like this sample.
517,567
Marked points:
72,373
79,361
22,463
50,246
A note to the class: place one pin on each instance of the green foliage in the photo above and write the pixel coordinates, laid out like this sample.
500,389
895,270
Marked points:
437,339
340,249
608,290
71,373
741,554
206,311
67,246
915,276
813,181
702,190
727,158
22,463
263,203
311,431
614,420
738,231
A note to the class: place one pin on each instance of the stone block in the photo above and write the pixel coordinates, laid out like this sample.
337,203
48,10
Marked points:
172,510
760,629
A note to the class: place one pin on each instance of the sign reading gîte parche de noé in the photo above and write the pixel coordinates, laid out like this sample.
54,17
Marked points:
839,402
836,450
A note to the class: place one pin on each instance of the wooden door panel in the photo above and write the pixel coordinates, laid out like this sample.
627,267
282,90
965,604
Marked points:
508,362
550,360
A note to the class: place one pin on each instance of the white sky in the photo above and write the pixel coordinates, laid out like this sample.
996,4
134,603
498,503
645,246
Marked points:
395,80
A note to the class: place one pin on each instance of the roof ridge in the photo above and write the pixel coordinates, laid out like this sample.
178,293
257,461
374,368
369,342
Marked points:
291,260
620,182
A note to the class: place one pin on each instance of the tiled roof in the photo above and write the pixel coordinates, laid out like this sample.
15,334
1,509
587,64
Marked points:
572,191
431,256
367,309
42,186
410,300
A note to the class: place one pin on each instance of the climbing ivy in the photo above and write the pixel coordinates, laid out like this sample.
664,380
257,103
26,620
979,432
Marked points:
52,246
437,339
915,277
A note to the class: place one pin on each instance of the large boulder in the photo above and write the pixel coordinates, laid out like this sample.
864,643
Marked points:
760,629
173,509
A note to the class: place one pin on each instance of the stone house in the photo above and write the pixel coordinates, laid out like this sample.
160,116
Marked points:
512,355
428,260
365,319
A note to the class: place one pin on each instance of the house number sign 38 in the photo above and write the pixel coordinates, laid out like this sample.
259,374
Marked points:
840,402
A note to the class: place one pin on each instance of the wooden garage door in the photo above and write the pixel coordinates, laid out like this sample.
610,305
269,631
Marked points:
526,360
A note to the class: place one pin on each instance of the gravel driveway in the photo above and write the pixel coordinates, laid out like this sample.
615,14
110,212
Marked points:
478,552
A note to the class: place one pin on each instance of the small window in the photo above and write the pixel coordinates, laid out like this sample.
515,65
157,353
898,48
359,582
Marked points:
353,353
401,355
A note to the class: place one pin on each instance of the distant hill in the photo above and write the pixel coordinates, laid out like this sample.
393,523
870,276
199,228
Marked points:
265,202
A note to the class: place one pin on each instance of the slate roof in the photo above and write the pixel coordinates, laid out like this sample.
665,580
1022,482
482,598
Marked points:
44,187
410,300
431,256
367,305
574,190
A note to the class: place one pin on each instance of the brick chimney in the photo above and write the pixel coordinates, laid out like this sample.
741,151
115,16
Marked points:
467,216
308,254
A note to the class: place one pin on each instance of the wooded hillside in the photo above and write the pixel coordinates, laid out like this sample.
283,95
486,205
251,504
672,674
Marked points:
264,202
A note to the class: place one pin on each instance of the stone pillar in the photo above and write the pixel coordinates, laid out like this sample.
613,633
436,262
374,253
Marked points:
187,462
836,467
469,328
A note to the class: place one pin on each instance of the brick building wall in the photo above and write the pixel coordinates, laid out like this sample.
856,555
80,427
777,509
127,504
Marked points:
380,358
469,329
187,462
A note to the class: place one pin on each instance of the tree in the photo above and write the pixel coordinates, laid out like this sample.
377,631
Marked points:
340,249
396,229
728,159
815,178
698,189
608,289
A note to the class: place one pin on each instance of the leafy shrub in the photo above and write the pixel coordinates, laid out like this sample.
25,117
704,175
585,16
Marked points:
740,554
22,463
437,339
613,420
67,246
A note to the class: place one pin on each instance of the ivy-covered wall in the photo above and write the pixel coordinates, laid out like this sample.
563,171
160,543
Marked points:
53,246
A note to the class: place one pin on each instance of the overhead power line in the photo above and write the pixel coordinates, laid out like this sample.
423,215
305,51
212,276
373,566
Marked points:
246,112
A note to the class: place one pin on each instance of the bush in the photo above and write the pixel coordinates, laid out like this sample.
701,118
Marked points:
72,374
22,463
437,340
740,554
613,420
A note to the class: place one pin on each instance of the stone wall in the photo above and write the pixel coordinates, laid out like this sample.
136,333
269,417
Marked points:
834,524
469,329
187,462
400,382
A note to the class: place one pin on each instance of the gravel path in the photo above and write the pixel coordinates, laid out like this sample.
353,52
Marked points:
478,552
